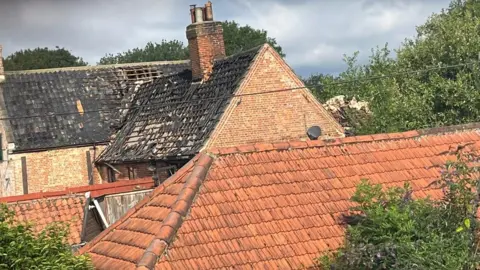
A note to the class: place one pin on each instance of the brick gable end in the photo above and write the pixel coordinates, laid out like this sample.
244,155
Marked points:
273,116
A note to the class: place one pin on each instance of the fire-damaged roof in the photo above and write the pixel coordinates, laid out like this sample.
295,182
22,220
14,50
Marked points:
173,116
75,106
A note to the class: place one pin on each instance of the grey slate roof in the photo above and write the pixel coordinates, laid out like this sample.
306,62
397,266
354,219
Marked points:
174,116
60,95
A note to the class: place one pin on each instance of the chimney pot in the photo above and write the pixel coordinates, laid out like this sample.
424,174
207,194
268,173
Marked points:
198,14
208,11
192,13
205,42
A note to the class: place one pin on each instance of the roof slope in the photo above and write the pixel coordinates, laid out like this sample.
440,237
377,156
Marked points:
269,205
77,105
124,242
42,212
66,206
173,116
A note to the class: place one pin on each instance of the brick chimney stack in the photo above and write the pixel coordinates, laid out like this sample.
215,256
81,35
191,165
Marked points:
2,72
205,41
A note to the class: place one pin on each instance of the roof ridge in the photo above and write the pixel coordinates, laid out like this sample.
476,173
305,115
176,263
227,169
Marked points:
46,70
299,144
96,190
178,212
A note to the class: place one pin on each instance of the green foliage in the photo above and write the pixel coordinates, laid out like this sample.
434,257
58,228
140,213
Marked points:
403,100
394,231
164,51
21,248
237,38
240,38
41,58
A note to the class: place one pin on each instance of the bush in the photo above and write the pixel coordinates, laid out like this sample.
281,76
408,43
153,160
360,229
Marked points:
394,231
21,248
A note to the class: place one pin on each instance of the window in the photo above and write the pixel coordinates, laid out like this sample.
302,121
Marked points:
172,170
132,173
111,175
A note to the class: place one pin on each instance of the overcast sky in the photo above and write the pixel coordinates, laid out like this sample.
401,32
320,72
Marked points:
313,33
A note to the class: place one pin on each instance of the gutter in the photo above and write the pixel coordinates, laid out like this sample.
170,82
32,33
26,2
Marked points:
22,151
164,158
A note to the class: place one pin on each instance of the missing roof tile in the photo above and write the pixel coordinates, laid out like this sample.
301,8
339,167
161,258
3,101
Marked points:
141,73
80,107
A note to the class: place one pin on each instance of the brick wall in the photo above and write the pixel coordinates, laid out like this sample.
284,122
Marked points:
5,187
51,170
271,117
205,42
2,71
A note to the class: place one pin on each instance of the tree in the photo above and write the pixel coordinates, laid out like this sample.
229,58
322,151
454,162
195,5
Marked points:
390,230
166,50
237,38
21,248
433,81
41,58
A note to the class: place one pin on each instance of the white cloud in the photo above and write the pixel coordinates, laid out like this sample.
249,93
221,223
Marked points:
318,33
314,33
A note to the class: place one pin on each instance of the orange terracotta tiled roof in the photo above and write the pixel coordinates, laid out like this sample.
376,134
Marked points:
42,212
65,206
269,205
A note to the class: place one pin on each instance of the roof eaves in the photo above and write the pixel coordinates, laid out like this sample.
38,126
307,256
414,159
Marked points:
59,146
95,190
178,213
282,146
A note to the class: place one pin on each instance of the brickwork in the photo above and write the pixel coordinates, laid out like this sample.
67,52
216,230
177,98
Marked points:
271,117
6,186
2,71
51,170
205,42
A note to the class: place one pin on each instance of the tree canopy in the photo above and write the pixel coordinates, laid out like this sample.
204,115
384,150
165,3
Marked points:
237,38
166,50
391,230
40,58
21,248
433,80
